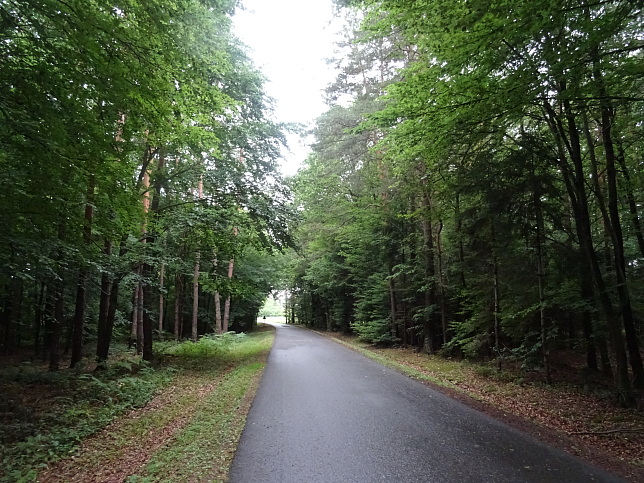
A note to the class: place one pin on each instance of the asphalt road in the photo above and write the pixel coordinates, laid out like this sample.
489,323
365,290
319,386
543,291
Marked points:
324,413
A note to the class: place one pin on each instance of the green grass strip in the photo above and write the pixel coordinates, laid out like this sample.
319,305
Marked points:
204,448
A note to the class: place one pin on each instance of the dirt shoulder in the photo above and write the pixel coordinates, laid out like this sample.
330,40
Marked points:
586,424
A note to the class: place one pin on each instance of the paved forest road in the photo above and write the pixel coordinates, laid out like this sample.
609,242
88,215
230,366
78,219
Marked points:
324,413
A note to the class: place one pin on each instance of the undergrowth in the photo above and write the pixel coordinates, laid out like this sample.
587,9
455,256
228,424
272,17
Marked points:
45,416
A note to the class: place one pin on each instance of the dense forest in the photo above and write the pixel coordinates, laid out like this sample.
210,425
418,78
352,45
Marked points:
475,187
140,192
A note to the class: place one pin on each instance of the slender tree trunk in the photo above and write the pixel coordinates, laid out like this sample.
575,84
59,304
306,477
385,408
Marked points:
195,280
575,179
392,303
13,314
195,298
429,343
105,333
134,328
441,286
582,219
623,293
217,297
587,326
178,302
497,299
632,205
83,274
56,325
102,349
226,318
140,310
38,317
218,323
613,229
57,313
542,282
161,298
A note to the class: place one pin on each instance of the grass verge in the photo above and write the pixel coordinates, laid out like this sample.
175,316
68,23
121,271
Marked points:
143,411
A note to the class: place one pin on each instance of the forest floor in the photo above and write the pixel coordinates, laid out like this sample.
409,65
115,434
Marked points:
77,426
576,415
179,420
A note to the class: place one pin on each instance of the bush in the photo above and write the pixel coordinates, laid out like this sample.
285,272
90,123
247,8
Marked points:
376,332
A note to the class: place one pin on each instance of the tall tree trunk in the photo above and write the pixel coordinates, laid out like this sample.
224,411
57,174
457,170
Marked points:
575,179
613,228
587,325
226,318
393,306
57,313
429,343
632,205
541,275
218,323
105,342
178,303
623,293
497,298
140,310
102,344
83,274
38,317
12,314
56,324
195,299
442,298
161,298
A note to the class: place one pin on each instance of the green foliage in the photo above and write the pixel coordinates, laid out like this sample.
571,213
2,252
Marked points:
377,332
78,406
473,185
210,346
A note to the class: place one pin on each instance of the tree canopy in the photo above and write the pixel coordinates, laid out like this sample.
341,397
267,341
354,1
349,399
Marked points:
484,179
137,156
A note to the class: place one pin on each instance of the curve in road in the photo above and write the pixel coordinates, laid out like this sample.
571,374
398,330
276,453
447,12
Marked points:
324,413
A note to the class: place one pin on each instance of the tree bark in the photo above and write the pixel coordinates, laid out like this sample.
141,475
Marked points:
195,299
429,343
83,274
575,179
102,344
178,303
161,298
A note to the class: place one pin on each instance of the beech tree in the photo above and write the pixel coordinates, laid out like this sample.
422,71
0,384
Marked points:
111,114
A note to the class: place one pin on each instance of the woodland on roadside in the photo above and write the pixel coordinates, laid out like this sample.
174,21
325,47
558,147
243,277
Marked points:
138,164
475,188
474,191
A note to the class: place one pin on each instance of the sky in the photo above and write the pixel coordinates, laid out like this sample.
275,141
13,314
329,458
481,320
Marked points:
289,41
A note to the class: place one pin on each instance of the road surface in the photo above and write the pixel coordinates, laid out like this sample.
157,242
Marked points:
324,413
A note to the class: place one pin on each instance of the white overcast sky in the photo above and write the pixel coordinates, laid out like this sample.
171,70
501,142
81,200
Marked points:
289,41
